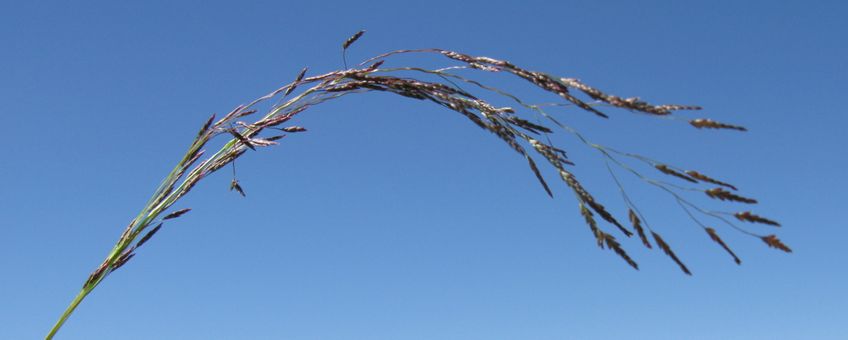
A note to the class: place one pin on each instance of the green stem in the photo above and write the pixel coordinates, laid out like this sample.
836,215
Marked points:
82,294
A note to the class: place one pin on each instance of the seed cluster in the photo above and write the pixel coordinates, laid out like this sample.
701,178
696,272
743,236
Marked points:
522,130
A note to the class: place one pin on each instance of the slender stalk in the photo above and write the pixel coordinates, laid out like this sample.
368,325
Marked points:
73,306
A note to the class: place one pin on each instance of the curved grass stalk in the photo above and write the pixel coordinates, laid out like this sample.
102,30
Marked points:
504,122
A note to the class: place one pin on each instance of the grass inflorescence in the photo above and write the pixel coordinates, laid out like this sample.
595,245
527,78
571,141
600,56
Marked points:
521,129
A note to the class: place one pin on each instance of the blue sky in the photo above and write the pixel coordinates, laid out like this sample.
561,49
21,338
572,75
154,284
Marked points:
397,219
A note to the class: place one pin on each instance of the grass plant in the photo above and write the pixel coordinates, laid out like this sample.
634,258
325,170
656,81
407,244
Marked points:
525,128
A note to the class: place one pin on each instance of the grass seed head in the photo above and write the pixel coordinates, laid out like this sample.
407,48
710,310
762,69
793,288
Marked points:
774,242
637,224
294,129
711,124
716,239
705,178
149,234
176,214
352,39
234,185
296,81
612,244
667,249
668,171
724,195
747,216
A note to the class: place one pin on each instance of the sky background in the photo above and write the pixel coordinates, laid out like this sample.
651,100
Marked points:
398,219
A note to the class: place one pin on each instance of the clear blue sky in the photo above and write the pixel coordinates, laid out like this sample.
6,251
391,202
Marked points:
394,219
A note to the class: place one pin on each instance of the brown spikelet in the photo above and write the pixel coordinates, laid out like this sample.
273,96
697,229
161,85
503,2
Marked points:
711,124
122,260
724,195
716,239
555,156
616,247
705,178
774,242
538,174
608,217
605,239
245,113
637,224
176,214
668,171
294,129
527,125
234,185
296,81
747,216
91,278
148,235
241,138
593,225
375,66
97,273
352,39
273,121
667,249
587,198
673,107
206,126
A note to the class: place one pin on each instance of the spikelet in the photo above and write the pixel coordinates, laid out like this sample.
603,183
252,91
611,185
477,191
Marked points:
555,156
294,129
176,214
234,185
747,216
593,225
148,235
724,195
665,247
529,126
97,273
605,239
616,247
668,171
705,178
262,142
122,260
352,39
538,174
273,121
245,113
672,107
587,198
774,242
716,239
375,66
711,124
205,127
637,224
296,81
241,138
